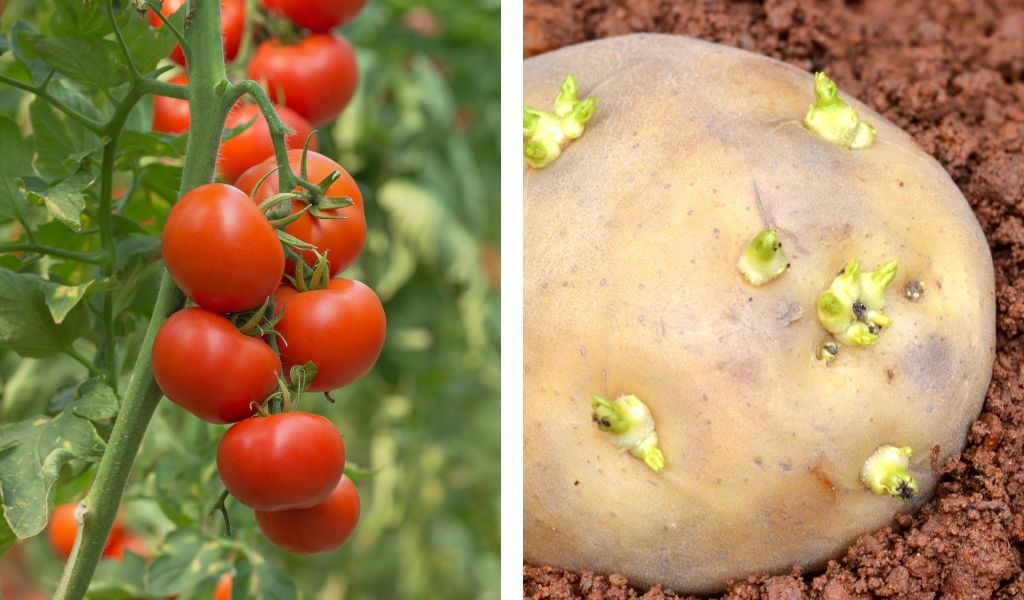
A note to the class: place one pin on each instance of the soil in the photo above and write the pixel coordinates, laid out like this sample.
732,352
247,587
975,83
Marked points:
950,73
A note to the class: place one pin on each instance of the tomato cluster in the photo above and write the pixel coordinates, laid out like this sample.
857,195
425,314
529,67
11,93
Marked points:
310,72
224,253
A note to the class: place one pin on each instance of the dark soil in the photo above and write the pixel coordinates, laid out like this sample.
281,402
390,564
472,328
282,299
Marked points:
951,73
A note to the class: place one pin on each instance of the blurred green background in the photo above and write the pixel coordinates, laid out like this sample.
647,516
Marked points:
422,139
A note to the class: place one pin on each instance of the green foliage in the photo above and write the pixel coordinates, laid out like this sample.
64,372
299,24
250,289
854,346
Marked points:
422,429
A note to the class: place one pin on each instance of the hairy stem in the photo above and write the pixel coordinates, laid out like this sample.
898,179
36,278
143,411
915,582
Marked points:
207,83
51,251
41,93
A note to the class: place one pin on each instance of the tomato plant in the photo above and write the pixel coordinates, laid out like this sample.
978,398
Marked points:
221,250
319,528
340,234
315,77
286,460
232,18
63,528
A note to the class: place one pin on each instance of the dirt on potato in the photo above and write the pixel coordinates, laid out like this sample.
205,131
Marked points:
951,74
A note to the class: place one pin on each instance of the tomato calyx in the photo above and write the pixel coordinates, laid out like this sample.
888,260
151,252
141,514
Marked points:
257,323
320,277
286,398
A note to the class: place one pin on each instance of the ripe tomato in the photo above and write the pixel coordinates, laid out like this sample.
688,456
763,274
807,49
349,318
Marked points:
340,328
317,15
221,250
315,529
170,115
232,23
254,145
223,589
341,239
287,460
127,541
316,77
63,528
209,368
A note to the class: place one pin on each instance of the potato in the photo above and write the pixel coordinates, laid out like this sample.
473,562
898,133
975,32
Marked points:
631,242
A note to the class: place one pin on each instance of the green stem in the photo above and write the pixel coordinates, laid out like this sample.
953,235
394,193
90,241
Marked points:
278,131
51,251
41,93
133,70
164,88
75,354
207,84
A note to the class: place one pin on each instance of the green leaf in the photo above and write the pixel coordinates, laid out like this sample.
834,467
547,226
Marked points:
60,299
7,537
184,561
60,142
79,20
32,454
146,44
135,145
26,324
22,36
260,579
82,60
96,400
66,200
119,580
136,246
15,161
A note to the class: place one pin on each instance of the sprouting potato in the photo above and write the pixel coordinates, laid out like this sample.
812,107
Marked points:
766,402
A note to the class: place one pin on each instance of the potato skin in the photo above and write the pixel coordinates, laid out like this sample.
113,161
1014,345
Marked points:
631,241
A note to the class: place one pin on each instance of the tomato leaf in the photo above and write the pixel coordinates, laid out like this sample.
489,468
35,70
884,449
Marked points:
148,45
15,161
21,37
32,454
60,299
96,401
79,19
79,59
118,580
60,143
66,200
260,579
26,324
185,560
7,537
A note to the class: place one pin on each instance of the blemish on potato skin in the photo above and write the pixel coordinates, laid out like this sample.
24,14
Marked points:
890,375
818,472
929,364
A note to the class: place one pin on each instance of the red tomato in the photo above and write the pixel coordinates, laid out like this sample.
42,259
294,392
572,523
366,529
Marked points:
209,368
315,529
287,460
232,23
254,145
341,329
170,115
63,528
341,239
317,15
127,541
316,77
221,250
223,589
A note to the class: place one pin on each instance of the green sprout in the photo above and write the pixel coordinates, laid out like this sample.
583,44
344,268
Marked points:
851,308
835,120
629,424
885,472
763,260
546,134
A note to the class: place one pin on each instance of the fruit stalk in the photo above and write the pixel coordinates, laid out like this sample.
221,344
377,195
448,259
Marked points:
207,86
